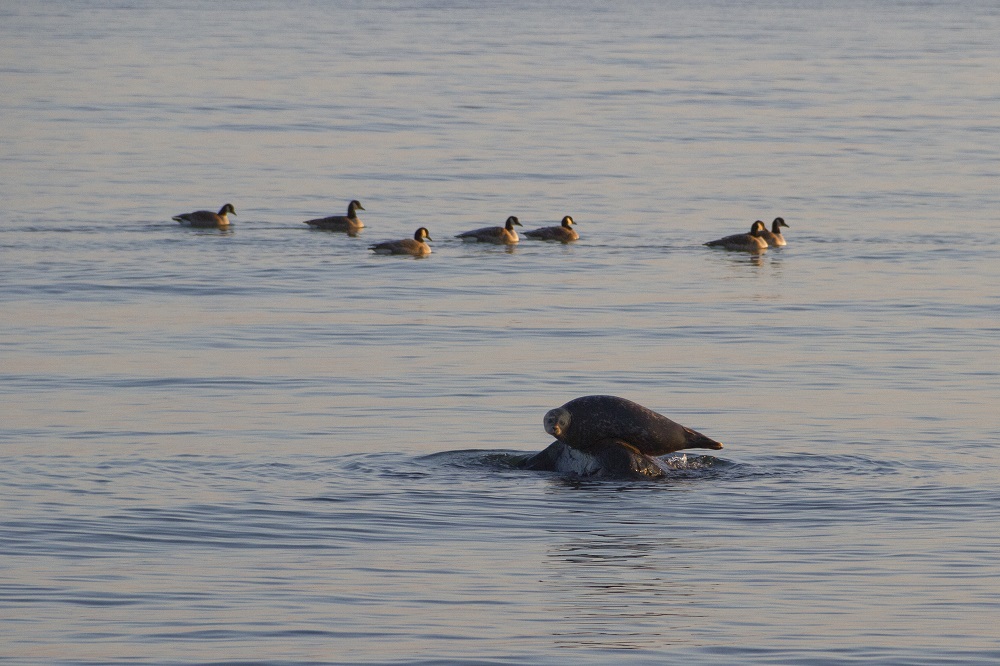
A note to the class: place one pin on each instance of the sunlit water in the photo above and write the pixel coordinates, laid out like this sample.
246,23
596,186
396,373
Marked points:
270,445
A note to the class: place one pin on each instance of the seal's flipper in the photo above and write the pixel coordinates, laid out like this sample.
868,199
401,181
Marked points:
621,459
545,460
696,440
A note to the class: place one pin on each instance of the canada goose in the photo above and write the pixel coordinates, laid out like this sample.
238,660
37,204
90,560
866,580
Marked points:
774,237
504,235
564,232
415,246
348,223
206,218
751,242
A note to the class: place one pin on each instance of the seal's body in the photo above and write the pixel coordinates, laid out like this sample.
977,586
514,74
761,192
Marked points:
615,459
594,422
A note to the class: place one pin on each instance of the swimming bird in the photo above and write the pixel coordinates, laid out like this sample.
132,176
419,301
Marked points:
774,237
564,232
751,242
206,219
349,223
504,235
415,246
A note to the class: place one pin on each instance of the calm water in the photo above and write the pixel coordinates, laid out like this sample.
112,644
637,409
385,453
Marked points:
272,446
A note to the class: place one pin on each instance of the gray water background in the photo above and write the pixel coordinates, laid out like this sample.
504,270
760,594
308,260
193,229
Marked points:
271,446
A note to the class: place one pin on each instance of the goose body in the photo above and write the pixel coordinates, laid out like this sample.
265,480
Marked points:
564,232
416,246
505,235
206,219
349,223
749,242
774,237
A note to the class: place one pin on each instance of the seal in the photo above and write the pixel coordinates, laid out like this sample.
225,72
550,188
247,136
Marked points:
615,459
593,422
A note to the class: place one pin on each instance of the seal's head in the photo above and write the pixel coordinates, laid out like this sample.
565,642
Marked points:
556,422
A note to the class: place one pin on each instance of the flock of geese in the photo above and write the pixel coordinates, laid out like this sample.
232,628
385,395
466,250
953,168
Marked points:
757,240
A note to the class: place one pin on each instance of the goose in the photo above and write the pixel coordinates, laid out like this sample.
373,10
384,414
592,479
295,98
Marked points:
750,242
564,232
504,235
415,246
774,237
349,223
206,218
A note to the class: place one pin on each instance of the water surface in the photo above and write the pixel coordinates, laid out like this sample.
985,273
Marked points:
269,445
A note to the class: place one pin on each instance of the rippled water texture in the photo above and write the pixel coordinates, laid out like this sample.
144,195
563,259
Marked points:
269,445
